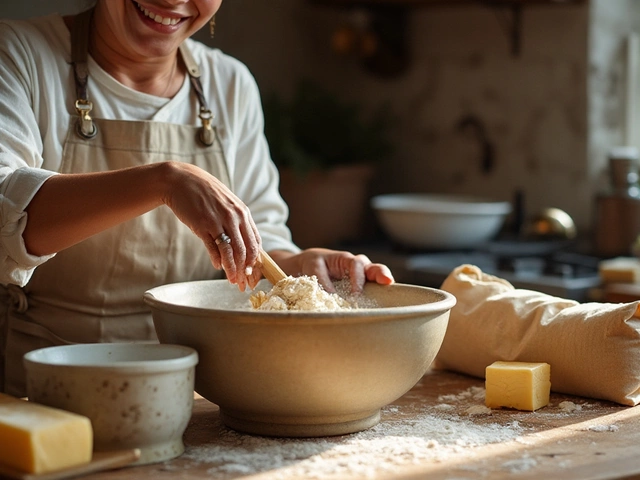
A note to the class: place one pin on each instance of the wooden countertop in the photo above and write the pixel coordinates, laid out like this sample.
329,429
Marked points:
430,430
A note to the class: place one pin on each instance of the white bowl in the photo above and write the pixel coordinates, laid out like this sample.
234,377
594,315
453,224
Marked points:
302,374
136,395
439,221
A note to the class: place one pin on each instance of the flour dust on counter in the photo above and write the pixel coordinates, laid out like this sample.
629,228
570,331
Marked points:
411,433
429,436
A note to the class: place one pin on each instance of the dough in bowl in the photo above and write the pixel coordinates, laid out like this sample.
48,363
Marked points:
298,293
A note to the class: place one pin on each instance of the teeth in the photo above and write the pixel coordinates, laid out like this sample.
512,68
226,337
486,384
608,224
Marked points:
157,18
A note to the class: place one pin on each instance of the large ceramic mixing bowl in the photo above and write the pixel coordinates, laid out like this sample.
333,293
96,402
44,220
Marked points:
302,374
136,395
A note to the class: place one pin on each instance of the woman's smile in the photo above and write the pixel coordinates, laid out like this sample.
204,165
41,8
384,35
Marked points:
166,22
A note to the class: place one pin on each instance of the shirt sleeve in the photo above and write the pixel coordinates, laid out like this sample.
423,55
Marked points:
21,174
254,175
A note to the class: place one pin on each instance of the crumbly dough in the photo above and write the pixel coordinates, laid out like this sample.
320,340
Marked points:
299,293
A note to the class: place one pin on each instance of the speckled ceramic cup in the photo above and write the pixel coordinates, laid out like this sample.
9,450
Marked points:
136,395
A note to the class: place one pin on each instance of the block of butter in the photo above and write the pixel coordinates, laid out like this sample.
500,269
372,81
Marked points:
38,439
519,385
619,270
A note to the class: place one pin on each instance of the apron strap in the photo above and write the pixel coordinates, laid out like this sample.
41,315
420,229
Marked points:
79,54
206,117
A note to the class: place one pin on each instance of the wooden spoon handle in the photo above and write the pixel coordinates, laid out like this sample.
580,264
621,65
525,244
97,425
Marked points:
270,268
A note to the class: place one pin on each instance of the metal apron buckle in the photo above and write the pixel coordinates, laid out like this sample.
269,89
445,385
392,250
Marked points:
85,126
206,132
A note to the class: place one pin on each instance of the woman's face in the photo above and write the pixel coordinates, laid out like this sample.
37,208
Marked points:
150,28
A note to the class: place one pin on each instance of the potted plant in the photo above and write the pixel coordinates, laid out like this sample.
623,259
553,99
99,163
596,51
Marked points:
326,151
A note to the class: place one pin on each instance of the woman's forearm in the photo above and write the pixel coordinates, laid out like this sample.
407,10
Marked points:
69,208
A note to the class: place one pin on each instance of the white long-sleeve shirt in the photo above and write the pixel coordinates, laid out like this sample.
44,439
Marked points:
37,96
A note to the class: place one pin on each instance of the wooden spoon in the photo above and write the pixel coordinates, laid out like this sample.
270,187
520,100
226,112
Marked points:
270,268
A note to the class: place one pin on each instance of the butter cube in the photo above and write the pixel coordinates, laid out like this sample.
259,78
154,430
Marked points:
38,439
519,385
619,270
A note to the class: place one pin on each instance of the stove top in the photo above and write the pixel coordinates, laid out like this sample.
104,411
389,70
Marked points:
542,266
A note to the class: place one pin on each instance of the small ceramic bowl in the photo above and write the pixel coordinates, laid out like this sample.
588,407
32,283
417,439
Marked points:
302,373
136,395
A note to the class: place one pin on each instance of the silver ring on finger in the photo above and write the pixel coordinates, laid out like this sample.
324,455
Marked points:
223,238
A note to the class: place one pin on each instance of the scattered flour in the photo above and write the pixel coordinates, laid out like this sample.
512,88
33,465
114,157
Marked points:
569,407
471,393
603,428
478,410
435,433
475,394
425,437
520,464
444,407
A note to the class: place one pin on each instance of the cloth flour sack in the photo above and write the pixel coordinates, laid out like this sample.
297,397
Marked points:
593,348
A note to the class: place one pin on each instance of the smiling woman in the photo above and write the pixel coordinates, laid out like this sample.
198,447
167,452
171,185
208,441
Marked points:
127,149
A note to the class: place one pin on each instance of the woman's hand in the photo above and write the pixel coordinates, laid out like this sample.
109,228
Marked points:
210,209
329,265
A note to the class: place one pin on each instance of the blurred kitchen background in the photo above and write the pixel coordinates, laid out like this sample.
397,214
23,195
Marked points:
514,100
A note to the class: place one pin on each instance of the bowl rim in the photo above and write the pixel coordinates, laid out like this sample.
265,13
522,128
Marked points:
440,203
359,315
49,357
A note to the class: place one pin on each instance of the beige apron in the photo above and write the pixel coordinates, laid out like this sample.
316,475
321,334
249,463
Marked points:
92,292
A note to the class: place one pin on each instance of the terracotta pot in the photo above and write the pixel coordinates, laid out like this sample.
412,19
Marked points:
327,207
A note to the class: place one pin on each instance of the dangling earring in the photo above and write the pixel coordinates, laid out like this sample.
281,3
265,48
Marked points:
212,26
